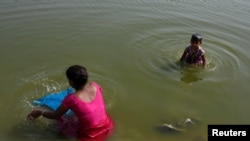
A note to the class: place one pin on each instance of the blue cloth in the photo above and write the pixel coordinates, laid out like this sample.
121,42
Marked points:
53,100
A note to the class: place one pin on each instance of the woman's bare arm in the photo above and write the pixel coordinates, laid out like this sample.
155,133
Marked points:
61,110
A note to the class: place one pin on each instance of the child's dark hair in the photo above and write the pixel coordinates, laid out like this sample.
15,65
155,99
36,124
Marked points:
78,75
196,38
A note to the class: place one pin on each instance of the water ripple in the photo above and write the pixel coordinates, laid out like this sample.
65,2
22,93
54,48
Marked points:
109,87
159,54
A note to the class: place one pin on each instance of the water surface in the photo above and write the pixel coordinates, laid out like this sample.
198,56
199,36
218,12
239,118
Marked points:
131,48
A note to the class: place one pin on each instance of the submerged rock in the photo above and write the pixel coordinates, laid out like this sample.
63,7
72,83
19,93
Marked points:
178,127
170,127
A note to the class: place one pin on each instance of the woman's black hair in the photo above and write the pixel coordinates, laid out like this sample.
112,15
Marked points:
78,75
196,37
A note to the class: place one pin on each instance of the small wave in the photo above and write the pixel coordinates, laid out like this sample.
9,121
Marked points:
159,53
109,87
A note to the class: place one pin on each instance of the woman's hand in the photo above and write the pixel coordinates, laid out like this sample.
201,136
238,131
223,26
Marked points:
34,114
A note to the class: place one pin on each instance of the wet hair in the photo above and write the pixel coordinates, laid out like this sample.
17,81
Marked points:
196,38
78,75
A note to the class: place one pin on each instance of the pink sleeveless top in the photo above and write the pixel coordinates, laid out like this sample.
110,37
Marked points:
92,117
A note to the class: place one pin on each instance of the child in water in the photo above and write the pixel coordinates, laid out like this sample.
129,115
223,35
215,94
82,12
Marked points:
194,53
88,105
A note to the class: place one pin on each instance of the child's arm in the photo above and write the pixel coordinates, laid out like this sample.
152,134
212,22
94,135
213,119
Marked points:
203,61
183,55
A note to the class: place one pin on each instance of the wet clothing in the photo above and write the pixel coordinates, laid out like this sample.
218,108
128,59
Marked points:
193,58
92,122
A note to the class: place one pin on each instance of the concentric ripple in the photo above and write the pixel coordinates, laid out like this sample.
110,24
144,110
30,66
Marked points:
159,53
109,87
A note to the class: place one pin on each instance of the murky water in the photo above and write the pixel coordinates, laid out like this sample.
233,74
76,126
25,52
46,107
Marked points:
130,47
